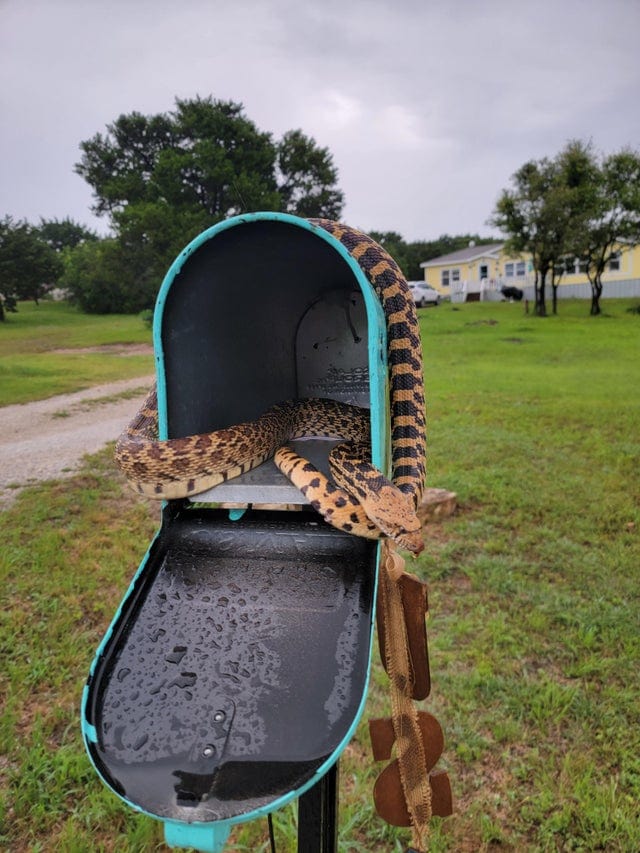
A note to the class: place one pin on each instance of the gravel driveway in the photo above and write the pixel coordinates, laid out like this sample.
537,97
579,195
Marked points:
48,438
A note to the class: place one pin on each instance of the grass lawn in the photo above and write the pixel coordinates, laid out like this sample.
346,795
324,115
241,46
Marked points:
37,358
535,612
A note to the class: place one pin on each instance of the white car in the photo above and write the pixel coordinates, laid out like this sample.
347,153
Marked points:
423,294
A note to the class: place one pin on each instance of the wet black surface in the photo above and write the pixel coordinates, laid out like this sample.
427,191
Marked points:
237,664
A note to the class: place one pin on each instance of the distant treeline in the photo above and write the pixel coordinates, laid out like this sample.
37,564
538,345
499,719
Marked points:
159,181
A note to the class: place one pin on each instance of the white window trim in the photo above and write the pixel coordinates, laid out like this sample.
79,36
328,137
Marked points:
452,276
515,269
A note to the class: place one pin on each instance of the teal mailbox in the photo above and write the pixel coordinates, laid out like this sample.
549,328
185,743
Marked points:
236,668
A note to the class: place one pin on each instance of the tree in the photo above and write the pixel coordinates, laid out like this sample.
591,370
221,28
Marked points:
579,204
28,266
163,179
64,234
107,277
307,178
92,277
120,165
535,215
609,218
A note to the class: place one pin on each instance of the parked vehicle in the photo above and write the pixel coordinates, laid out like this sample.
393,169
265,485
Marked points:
423,294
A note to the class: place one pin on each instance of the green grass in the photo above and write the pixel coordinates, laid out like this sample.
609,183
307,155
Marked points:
535,612
32,365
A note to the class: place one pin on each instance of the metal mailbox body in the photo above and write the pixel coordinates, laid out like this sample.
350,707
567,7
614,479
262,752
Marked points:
236,668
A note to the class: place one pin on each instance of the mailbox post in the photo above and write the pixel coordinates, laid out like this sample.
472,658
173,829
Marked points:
236,669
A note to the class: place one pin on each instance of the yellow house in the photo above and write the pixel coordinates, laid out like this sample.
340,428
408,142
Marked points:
479,272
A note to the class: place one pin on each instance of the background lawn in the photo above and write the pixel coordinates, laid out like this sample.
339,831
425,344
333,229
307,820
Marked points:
534,626
37,343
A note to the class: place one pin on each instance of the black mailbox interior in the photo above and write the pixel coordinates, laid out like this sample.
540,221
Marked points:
230,321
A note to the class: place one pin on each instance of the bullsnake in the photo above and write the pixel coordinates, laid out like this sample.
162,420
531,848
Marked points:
361,500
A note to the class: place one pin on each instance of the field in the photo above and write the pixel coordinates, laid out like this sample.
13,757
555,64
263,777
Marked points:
535,615
51,348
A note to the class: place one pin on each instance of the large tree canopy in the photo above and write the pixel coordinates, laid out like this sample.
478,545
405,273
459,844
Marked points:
163,179
206,155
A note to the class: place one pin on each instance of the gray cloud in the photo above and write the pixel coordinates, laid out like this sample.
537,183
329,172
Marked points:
428,107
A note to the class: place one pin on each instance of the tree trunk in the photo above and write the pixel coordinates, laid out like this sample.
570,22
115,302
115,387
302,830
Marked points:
540,308
596,293
2,314
554,296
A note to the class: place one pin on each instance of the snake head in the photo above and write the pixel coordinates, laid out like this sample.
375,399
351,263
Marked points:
394,514
410,541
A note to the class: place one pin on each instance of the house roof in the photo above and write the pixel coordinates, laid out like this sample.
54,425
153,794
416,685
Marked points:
470,253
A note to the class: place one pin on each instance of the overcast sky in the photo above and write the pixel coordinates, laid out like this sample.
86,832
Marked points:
428,106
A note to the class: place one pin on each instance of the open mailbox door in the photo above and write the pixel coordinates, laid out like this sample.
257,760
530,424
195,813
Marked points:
236,668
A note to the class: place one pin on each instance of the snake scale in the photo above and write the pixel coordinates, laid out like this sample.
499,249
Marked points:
361,500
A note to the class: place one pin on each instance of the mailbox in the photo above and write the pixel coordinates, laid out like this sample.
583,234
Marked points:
236,668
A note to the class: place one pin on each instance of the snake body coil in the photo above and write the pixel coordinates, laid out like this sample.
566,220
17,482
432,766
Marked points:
360,500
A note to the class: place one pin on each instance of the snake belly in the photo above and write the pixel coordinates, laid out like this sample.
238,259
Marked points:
360,500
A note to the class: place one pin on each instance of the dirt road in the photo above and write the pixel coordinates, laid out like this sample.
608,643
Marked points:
48,438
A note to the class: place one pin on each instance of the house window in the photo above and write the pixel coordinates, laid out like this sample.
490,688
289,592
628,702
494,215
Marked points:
515,269
448,277
614,262
573,266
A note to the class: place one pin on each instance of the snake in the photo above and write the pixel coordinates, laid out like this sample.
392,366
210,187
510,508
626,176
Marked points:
357,498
